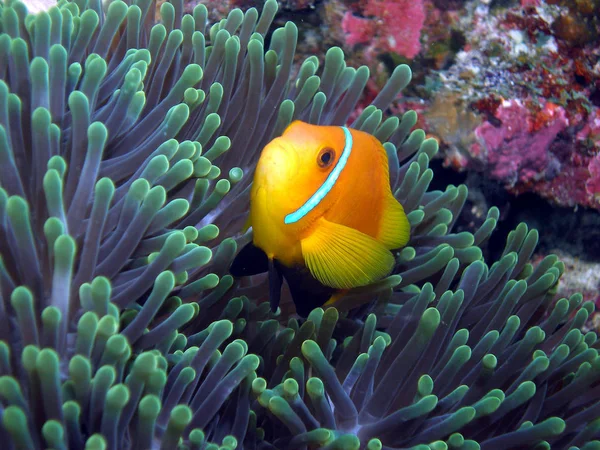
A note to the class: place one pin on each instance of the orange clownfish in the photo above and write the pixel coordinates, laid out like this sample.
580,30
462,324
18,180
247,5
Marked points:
323,215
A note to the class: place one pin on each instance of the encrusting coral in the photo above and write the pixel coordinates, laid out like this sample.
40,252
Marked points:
125,150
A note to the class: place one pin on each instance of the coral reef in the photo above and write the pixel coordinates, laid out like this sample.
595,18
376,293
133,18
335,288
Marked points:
533,85
480,55
127,144
580,276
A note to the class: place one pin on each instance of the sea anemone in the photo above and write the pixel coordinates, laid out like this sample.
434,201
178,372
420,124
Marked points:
126,152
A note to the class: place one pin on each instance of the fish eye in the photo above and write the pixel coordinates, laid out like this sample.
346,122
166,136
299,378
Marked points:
326,157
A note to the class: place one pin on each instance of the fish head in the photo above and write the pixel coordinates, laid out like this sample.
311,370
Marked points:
294,167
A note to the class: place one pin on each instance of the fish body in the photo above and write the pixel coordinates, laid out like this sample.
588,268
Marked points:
322,213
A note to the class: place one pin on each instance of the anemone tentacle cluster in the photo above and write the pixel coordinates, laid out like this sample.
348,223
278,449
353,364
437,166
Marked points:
127,144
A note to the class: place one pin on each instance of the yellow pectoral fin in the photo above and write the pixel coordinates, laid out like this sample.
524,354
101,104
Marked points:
343,258
346,300
394,228
335,298
247,224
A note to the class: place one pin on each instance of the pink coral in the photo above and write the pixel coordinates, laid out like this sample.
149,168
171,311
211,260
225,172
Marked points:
526,3
517,150
590,134
521,149
358,30
593,183
388,25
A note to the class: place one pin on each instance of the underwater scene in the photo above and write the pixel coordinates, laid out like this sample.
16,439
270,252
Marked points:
299,224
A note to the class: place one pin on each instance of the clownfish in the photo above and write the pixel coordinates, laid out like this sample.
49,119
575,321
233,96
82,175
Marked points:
323,215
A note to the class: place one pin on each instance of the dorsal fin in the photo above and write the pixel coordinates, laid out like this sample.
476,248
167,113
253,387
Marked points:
394,228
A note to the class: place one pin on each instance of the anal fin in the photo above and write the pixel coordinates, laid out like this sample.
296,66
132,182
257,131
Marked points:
307,292
275,282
